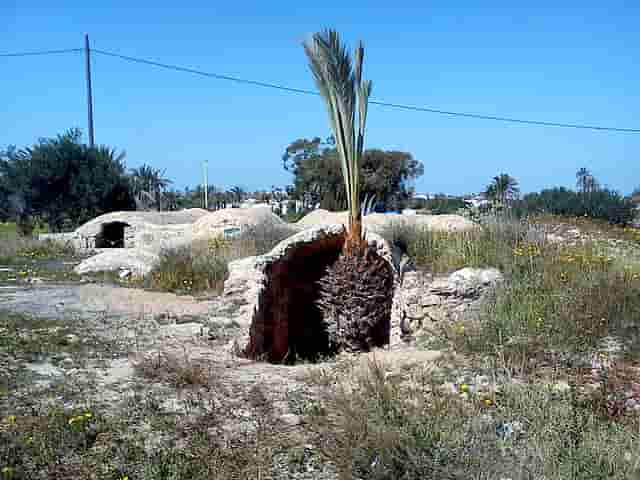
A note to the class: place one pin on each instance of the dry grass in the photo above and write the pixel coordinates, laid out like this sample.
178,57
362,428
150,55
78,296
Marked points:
203,266
179,372
376,425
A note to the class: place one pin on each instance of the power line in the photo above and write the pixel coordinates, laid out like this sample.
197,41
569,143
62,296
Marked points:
275,86
373,102
205,74
41,52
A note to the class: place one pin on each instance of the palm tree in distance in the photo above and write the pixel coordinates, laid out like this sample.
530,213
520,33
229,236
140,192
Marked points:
585,181
502,189
149,185
237,194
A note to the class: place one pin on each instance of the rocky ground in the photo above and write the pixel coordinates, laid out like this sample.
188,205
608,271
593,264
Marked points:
151,370
105,347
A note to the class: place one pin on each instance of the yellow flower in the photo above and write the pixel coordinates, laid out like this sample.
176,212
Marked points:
7,471
464,388
28,440
488,402
88,415
11,419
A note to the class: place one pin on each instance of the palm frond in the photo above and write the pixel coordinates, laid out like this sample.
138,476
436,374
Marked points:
346,96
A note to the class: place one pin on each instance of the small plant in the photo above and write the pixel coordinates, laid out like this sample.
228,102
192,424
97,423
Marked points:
179,372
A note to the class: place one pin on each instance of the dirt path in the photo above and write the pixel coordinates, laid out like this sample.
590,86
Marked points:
86,300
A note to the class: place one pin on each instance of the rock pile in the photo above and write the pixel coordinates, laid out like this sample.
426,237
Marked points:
424,301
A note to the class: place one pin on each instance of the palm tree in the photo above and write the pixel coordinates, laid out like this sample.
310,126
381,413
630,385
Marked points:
502,189
346,97
356,306
149,185
237,194
585,181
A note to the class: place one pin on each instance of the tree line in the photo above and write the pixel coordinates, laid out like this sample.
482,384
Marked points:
590,199
63,183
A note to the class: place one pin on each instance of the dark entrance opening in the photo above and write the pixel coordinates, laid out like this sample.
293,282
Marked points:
289,325
111,235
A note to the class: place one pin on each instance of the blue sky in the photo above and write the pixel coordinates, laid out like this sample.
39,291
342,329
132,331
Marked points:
572,63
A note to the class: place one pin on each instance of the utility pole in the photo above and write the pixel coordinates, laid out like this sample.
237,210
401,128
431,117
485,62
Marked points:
87,54
205,167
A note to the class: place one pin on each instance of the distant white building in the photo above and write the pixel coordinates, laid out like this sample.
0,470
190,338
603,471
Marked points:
478,201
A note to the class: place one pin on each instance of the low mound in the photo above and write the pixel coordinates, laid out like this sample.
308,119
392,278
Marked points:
323,217
378,221
228,219
137,219
136,260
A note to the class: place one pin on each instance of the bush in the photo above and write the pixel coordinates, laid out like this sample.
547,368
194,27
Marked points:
441,252
260,239
188,270
15,247
204,265
441,205
557,299
602,204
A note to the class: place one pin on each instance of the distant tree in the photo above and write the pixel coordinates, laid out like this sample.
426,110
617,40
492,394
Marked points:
603,204
317,173
585,181
149,186
236,195
64,182
503,189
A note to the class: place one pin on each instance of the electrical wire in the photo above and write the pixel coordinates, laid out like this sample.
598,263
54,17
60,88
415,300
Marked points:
414,108
41,52
373,102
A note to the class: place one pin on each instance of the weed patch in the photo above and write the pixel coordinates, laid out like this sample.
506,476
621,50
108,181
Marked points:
378,426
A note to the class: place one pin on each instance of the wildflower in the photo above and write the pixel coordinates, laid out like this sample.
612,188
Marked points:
487,402
88,415
28,440
11,419
464,388
7,472
460,328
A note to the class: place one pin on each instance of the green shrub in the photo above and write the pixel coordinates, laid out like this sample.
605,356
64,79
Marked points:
442,204
440,252
602,204
204,265
15,248
188,270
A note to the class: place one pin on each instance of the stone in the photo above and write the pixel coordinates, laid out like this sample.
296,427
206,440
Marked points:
136,260
421,297
291,419
184,330
415,312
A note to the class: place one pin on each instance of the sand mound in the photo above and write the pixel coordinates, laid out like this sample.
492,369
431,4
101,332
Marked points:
228,219
378,221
